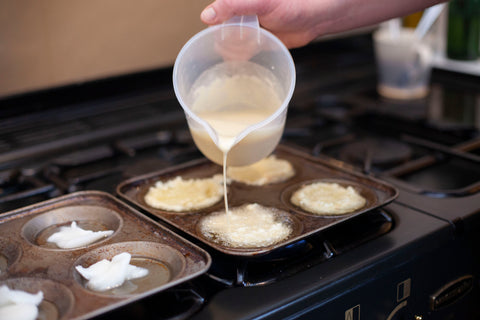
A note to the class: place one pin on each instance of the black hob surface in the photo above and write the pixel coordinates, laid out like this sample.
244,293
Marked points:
390,263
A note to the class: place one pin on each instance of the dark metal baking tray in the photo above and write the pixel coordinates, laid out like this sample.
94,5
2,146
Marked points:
32,264
307,169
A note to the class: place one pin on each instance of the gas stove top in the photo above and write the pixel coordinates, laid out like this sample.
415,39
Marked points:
390,263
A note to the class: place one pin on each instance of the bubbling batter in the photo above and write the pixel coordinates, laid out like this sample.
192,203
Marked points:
248,226
265,171
325,198
180,194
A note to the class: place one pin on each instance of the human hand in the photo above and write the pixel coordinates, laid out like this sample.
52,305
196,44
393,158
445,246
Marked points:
295,23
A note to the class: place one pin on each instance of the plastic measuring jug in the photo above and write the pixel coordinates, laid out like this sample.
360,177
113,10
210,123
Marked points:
234,82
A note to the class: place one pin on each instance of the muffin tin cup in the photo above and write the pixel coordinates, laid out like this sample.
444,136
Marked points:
165,264
32,264
284,217
58,300
89,217
366,192
10,253
307,168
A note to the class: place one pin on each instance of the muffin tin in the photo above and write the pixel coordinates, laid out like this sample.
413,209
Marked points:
29,263
308,169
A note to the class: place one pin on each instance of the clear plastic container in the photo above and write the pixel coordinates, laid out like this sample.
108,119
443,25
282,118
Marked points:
234,82
404,64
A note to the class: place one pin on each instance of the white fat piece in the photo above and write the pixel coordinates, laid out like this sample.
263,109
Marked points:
74,237
105,274
19,305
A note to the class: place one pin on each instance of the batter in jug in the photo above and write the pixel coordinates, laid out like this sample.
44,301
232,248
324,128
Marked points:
231,97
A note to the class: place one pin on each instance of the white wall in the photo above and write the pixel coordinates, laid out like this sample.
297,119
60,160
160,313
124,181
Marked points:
46,43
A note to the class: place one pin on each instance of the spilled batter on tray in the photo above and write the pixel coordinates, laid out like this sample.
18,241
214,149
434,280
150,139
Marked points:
105,274
69,237
180,194
266,171
326,198
18,304
248,226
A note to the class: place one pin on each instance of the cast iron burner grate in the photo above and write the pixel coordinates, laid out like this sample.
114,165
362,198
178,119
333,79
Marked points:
378,152
19,189
443,172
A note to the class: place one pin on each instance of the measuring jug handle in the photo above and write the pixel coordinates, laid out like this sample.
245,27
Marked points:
249,21
239,38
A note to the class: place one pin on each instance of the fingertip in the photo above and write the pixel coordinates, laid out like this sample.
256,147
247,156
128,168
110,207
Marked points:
208,15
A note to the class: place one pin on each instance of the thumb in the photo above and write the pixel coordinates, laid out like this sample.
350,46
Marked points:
215,13
222,10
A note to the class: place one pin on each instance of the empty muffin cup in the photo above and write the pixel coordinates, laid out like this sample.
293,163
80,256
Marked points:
10,252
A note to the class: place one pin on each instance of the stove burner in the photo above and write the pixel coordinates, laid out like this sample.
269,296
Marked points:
330,107
177,303
20,188
377,152
292,259
144,166
264,269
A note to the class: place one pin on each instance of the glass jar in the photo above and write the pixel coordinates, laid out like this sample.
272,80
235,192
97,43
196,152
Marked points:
463,31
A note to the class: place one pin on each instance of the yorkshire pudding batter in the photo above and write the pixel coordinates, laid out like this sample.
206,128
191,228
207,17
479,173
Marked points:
248,226
182,195
266,171
326,198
